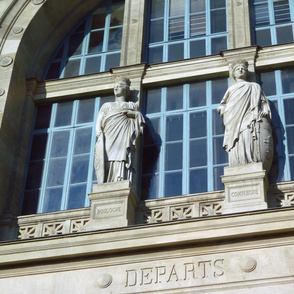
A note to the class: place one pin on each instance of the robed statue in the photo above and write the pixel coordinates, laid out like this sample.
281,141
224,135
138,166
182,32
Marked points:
246,115
118,127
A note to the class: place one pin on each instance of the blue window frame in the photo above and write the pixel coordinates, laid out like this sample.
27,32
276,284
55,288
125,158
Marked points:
180,29
278,85
60,169
183,138
272,22
94,46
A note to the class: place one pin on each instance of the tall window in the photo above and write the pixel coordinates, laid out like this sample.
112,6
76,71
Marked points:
180,29
279,87
94,46
60,170
183,139
272,21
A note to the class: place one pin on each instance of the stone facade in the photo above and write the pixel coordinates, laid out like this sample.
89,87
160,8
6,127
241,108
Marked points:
182,244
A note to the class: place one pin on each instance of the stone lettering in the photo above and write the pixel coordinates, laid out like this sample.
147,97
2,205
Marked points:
218,264
245,193
173,274
166,274
131,278
189,271
108,210
160,271
146,273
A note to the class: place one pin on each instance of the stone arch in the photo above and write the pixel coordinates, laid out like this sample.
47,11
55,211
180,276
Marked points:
30,32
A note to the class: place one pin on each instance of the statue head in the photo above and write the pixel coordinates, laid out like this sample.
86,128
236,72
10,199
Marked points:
122,87
240,69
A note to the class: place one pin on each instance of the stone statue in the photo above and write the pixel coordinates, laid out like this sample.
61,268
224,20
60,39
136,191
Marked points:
246,115
118,127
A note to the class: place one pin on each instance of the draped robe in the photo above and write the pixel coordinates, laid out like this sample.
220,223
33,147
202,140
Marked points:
116,145
240,109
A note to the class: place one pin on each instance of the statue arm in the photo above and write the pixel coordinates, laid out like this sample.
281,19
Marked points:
101,115
223,103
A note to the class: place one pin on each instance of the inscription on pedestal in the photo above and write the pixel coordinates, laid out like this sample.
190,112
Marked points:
109,211
244,193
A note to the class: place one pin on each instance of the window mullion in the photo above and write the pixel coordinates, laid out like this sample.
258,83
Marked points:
163,139
186,141
209,138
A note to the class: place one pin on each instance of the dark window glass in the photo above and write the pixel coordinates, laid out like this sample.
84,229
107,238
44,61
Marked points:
153,101
197,48
198,153
284,35
63,114
198,122
43,117
198,180
112,60
155,54
175,52
173,184
263,37
197,94
174,98
288,80
218,44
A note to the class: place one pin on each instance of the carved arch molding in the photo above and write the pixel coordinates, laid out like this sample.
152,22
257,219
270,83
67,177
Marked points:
30,32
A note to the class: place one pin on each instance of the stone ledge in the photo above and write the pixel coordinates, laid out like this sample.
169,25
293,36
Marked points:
176,233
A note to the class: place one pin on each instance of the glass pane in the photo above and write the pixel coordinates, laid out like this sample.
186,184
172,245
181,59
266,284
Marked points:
174,98
197,5
82,141
153,101
197,25
290,139
117,14
197,48
52,199
56,172
219,154
96,42
86,111
30,203
114,39
288,80
173,184
282,11
59,54
261,14
79,170
76,198
156,31
217,4
268,83
291,159
173,156
197,94
175,52
218,21
198,153
39,144
93,65
263,37
149,187
217,123
54,71
284,35
198,180
157,8
174,128
63,114
176,29
217,173
198,124
98,18
152,131
112,60
218,89
218,44
150,159
177,7
75,44
43,117
59,145
34,174
155,55
72,68
289,110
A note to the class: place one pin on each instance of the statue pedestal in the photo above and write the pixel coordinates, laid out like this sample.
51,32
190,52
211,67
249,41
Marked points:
112,205
245,188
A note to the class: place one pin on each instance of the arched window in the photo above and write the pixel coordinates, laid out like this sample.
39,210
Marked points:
94,46
272,22
180,29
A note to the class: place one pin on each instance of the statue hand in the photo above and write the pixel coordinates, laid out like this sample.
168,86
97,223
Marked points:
264,114
220,110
